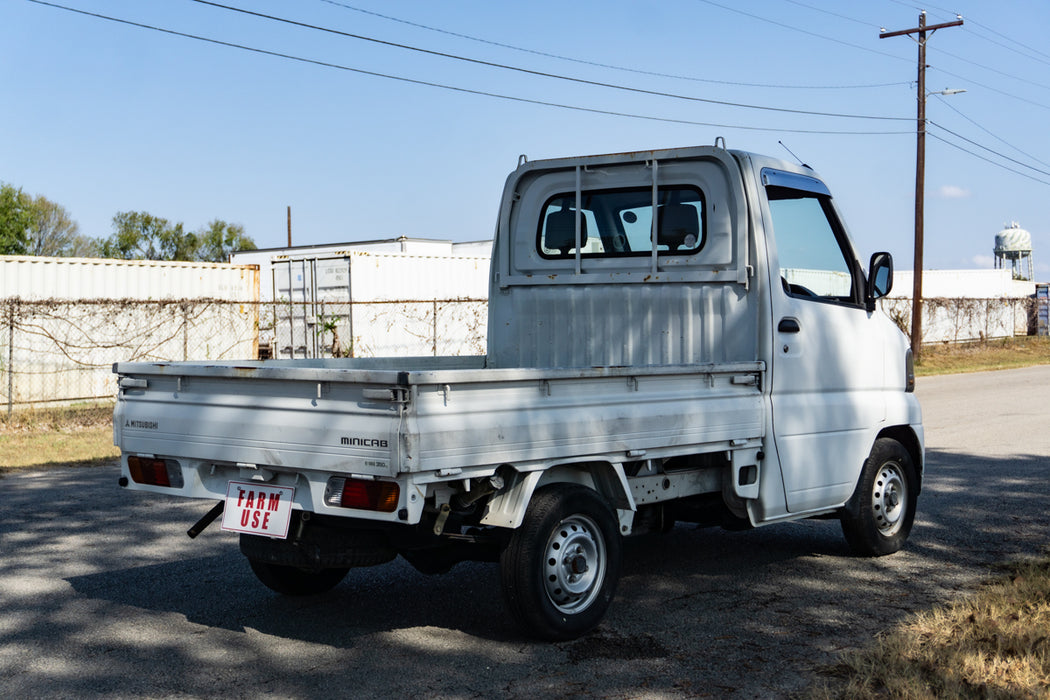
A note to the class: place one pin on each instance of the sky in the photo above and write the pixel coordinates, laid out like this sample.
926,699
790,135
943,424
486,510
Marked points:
344,110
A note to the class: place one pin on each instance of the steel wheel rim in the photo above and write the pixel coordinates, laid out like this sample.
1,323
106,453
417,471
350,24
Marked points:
889,499
574,564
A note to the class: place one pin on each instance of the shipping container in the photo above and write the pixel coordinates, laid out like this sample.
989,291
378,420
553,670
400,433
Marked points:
365,304
404,245
31,278
65,321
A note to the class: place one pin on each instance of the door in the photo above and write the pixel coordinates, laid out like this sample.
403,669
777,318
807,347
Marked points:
828,365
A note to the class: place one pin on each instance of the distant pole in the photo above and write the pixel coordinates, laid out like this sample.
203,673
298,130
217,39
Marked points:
289,226
920,171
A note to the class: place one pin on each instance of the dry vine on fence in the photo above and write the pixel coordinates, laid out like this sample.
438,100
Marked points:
61,350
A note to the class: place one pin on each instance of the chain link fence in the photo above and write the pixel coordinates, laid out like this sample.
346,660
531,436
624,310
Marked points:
374,329
62,351
958,320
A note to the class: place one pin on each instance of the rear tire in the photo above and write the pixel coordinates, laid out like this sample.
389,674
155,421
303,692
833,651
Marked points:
879,516
560,568
293,581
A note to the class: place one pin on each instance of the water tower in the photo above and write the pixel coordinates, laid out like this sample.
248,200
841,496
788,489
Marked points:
1013,243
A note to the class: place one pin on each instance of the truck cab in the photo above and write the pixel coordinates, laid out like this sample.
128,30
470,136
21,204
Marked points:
749,261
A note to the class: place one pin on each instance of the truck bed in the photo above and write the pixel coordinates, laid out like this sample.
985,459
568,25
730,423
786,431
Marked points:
445,418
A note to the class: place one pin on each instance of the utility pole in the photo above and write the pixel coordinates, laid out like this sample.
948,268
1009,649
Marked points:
289,226
920,169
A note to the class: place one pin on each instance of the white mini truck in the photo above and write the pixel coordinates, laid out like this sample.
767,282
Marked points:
674,335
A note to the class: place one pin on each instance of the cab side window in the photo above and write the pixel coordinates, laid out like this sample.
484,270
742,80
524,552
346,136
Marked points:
813,263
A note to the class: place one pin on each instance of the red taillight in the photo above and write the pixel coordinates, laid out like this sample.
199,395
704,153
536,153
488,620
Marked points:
155,472
381,496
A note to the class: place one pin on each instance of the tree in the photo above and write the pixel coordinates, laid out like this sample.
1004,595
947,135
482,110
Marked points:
14,220
53,232
219,239
176,244
138,235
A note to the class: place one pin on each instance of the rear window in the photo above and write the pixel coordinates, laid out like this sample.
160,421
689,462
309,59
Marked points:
619,223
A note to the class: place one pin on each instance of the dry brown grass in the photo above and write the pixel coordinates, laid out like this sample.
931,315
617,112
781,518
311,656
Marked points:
1002,353
993,645
79,435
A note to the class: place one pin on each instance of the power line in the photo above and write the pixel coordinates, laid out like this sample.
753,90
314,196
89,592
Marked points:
543,74
987,29
863,48
987,131
989,160
453,88
910,5
992,89
869,25
803,31
1010,39
917,7
993,70
598,64
990,150
1045,60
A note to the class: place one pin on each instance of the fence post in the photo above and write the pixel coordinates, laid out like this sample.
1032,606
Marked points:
185,330
10,358
435,328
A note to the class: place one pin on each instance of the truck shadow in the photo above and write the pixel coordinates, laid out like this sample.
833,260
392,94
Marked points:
974,511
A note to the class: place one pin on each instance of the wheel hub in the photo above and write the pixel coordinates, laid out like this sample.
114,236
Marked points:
888,498
577,563
574,564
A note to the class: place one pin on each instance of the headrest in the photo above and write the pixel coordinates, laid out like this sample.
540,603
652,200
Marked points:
677,223
560,231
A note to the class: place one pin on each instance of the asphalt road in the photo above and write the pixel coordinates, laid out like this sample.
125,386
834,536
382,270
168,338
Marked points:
102,594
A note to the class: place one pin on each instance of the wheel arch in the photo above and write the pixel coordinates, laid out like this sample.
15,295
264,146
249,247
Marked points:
507,508
907,437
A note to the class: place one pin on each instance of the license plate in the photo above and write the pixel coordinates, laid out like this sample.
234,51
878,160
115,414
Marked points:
258,509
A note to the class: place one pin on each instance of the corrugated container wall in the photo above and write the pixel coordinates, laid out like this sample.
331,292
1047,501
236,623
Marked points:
266,258
34,278
365,304
67,320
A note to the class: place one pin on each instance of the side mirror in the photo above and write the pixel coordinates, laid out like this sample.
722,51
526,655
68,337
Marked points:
880,278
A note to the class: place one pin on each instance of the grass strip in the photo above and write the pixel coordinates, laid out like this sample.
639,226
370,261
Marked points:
72,436
1001,353
995,644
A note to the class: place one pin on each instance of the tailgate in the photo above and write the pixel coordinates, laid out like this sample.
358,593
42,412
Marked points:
305,419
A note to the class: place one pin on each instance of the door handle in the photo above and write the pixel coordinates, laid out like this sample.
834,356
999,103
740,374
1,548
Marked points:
789,325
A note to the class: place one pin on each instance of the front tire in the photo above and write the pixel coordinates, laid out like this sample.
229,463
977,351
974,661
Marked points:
293,581
879,516
560,568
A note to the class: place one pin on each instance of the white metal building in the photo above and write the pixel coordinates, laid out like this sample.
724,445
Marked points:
960,305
